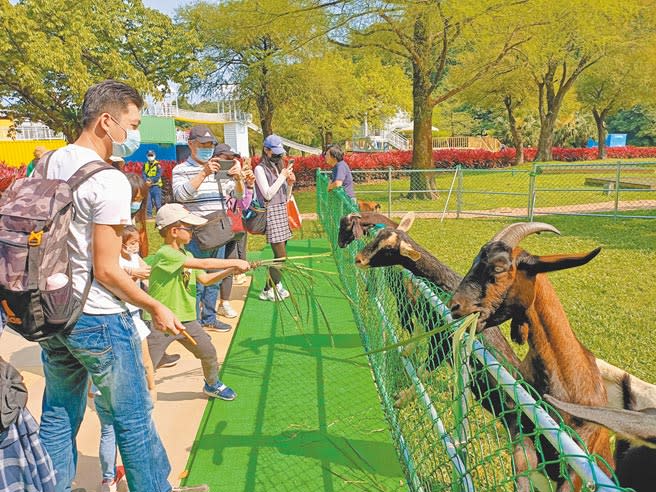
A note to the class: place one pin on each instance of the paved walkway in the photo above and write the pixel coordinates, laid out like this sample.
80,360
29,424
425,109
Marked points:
178,410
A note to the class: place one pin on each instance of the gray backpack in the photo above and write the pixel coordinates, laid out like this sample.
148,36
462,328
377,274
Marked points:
36,287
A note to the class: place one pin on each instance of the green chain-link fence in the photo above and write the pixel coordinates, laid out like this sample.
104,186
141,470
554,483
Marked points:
435,389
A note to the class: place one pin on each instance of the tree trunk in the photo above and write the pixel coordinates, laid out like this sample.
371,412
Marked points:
264,103
422,138
265,108
517,137
601,132
545,143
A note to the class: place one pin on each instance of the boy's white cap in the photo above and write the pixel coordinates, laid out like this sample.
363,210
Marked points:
175,212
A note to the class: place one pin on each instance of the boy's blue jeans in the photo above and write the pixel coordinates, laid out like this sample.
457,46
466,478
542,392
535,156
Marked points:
107,348
206,295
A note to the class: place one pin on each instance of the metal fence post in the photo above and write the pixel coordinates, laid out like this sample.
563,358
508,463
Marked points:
618,174
389,191
459,192
531,192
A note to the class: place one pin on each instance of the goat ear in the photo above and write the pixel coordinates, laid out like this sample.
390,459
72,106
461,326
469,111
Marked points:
639,427
408,251
406,222
551,263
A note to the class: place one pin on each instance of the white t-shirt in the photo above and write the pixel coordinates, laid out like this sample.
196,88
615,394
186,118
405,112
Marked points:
102,199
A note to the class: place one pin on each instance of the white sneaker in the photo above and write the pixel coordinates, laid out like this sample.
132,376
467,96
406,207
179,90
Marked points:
282,292
239,279
267,295
227,311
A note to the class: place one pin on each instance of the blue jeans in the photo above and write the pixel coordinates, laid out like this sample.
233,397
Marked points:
206,295
154,195
107,448
107,348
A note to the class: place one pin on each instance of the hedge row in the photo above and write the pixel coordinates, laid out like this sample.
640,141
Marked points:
305,167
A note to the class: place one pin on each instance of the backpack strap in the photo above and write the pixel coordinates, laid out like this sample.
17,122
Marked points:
86,171
41,167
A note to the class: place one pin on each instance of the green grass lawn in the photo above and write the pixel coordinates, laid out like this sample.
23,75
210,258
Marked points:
490,189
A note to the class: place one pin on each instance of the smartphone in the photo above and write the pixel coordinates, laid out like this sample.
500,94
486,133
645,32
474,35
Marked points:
290,163
225,164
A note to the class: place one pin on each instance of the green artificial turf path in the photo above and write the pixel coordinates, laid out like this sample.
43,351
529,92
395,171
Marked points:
307,416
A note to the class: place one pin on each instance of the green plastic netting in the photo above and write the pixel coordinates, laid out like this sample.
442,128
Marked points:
435,389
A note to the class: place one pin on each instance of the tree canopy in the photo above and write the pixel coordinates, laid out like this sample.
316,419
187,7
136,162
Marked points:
52,51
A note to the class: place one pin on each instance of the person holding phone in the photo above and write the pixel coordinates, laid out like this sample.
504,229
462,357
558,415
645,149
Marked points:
272,179
235,249
194,184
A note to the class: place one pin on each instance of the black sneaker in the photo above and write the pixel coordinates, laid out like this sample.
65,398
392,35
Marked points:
219,326
168,360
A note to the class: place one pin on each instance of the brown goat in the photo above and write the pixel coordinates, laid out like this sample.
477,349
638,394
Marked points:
505,282
368,206
354,226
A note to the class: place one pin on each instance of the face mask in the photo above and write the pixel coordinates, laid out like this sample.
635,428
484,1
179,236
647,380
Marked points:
131,143
151,158
276,159
133,249
204,155
134,207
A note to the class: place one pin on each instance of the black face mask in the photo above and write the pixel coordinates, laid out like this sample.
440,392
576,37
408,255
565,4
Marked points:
276,159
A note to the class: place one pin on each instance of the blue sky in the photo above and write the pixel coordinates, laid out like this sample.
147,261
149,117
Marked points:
166,6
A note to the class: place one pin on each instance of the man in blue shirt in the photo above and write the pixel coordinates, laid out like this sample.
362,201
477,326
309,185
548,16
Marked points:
341,173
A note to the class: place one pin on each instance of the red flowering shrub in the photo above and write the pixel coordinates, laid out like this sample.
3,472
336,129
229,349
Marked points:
8,174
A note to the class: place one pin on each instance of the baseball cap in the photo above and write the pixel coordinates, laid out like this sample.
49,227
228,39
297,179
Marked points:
175,212
202,133
224,148
274,142
150,152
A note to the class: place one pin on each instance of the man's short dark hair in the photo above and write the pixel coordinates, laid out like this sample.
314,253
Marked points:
335,152
109,96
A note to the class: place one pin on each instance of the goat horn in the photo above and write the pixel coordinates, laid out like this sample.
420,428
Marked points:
514,233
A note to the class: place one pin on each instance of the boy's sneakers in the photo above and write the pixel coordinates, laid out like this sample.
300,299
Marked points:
226,310
282,292
219,326
270,295
191,488
219,390
168,360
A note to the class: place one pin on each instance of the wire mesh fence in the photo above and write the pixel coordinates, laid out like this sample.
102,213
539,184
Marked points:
614,189
461,415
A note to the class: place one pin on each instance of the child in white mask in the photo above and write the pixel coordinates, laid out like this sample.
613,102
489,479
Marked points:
132,263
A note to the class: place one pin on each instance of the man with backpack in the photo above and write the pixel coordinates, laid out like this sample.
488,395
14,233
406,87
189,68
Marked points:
102,343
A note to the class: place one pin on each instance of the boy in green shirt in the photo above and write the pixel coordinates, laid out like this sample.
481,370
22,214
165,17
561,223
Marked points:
173,280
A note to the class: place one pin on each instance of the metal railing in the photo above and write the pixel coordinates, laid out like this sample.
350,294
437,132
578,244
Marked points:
30,131
621,190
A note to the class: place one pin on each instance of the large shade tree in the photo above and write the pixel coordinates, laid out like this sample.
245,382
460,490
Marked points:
445,46
52,51
250,47
570,39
